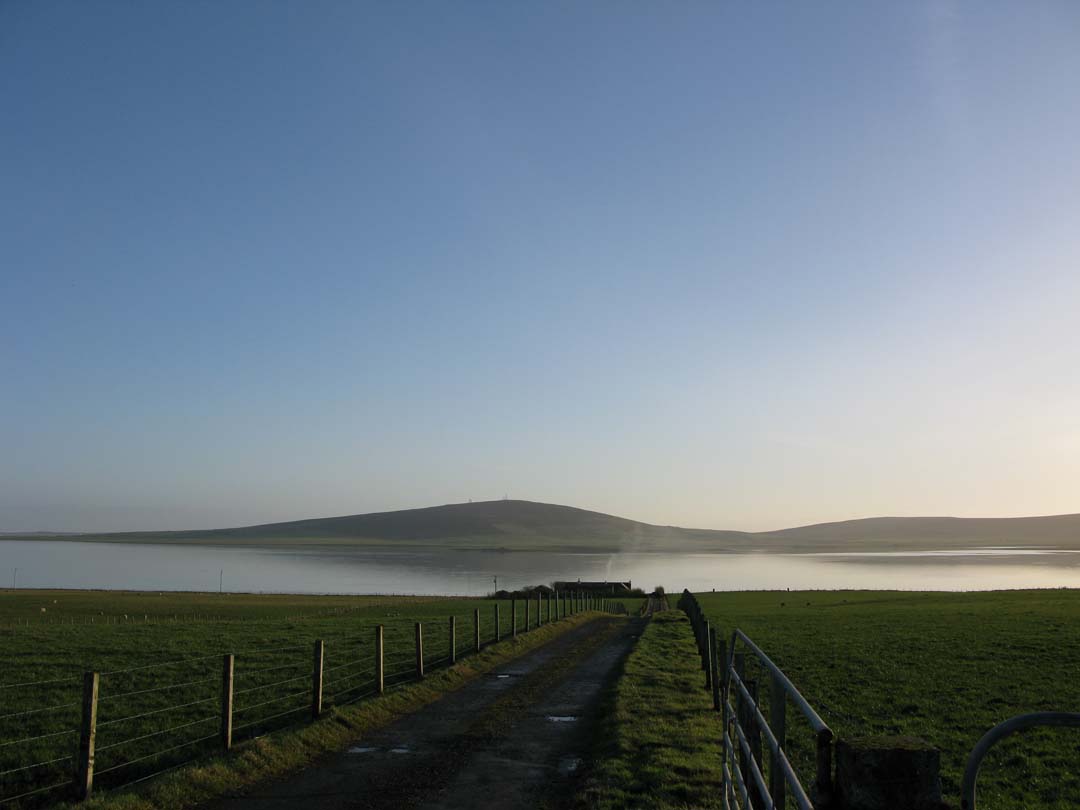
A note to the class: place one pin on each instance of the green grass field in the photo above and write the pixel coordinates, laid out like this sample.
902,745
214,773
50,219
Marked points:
658,743
159,656
941,666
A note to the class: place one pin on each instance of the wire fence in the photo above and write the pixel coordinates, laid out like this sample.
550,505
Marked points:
123,726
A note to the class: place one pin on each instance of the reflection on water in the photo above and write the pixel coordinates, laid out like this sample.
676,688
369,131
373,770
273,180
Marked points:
114,566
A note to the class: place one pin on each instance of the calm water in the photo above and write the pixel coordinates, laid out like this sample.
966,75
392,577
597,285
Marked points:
59,564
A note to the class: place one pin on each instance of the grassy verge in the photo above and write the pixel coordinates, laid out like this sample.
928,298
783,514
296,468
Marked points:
658,743
941,666
286,751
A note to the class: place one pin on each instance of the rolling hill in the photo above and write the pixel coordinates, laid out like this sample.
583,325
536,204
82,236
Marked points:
526,525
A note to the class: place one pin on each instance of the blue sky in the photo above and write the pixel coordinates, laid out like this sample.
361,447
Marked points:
729,265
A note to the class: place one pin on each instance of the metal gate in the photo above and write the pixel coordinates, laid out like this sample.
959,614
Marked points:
998,732
747,782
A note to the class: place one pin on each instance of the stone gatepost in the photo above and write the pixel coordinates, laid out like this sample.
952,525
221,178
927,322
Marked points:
888,773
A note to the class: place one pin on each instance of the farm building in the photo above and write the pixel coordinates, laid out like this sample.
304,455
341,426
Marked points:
595,587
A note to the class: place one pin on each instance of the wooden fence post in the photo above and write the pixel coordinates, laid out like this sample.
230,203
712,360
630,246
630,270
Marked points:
498,630
715,667
706,658
778,724
379,671
419,650
513,617
84,766
528,619
453,640
539,617
476,629
317,679
703,645
227,665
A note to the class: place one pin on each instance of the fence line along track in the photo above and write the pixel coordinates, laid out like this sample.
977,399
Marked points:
749,779
358,678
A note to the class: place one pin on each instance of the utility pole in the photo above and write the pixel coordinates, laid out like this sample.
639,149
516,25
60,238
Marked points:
13,575
220,579
496,581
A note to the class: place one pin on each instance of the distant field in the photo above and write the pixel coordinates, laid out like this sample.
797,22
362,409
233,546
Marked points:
944,667
160,659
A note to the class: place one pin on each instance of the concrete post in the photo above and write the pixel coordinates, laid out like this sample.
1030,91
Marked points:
84,765
419,650
379,657
227,667
317,679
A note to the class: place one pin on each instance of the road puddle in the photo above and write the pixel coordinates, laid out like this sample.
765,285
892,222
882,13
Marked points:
359,749
562,718
403,749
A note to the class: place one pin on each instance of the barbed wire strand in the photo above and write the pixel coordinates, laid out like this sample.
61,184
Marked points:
249,672
274,700
361,696
39,683
155,689
305,676
156,754
348,664
65,783
38,711
155,711
328,684
271,717
39,737
156,733
164,664
36,765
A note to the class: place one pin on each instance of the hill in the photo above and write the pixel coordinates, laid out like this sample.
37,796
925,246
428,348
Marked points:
527,525
508,525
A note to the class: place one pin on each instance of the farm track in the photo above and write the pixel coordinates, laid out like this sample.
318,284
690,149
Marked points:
491,744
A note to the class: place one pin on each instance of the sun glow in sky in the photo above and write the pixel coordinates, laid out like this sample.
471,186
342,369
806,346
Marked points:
725,265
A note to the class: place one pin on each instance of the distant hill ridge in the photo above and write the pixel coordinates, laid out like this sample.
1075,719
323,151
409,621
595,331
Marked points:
521,525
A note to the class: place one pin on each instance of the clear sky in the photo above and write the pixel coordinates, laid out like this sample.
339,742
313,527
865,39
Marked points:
737,265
